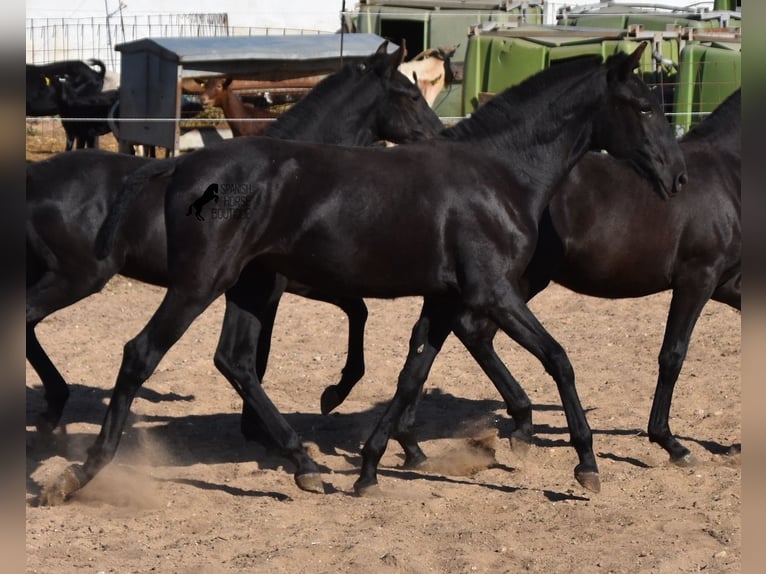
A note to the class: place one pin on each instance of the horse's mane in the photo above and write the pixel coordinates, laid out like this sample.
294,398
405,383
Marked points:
315,102
724,118
539,96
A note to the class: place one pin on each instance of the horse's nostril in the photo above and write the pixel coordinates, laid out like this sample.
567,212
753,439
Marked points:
681,180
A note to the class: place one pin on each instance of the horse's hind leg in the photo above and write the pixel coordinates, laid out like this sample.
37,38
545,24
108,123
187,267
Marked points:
50,293
730,293
56,390
518,322
685,308
237,319
427,338
254,295
140,358
477,335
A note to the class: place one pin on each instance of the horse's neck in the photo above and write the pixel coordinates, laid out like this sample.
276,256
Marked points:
539,159
335,124
234,109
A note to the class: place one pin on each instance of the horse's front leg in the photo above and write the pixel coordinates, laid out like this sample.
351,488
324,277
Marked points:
356,311
428,336
247,303
353,371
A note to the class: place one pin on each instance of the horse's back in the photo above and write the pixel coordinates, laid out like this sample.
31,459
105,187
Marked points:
320,214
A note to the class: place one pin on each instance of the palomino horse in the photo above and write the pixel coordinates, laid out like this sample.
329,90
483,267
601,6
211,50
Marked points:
69,195
389,222
431,71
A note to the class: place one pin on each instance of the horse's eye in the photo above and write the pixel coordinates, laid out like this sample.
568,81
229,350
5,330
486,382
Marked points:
646,111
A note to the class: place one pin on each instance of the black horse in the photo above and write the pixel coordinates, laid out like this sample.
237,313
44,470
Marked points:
617,242
454,220
604,242
69,195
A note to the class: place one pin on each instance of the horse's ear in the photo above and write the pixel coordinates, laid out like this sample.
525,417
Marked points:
227,83
626,65
635,57
396,59
447,53
383,48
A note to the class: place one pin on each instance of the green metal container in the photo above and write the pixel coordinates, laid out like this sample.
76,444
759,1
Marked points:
439,24
708,74
498,60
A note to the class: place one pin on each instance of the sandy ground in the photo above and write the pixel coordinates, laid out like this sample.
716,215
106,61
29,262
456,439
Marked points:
187,494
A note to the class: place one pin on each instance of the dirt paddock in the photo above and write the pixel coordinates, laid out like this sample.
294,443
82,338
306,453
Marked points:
187,494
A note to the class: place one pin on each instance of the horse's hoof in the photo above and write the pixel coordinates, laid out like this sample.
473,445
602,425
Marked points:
423,464
329,400
417,462
311,482
520,445
589,480
684,461
44,427
369,491
68,482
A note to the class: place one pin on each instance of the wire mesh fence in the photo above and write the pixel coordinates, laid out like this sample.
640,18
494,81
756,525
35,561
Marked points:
53,39
56,39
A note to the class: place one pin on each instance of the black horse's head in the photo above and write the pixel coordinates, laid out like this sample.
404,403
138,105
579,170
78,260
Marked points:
398,111
632,126
360,104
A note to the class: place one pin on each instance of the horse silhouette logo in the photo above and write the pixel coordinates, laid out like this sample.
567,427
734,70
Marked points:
210,194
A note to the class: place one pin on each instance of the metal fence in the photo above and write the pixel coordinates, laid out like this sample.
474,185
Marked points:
53,39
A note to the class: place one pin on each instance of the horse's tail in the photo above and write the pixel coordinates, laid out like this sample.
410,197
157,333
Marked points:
131,188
